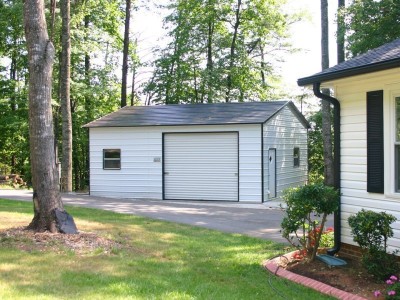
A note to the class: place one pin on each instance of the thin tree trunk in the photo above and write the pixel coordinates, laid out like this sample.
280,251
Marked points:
133,93
232,52
88,104
210,64
125,53
326,109
340,32
66,163
46,196
262,65
13,100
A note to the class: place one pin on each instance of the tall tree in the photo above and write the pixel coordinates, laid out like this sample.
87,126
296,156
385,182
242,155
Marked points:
125,53
66,164
46,195
326,108
237,21
340,32
220,51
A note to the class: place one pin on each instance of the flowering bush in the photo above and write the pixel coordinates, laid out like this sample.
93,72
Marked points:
307,209
327,237
392,290
327,241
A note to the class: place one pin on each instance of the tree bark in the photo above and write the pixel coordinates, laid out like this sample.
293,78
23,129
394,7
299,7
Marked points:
326,108
125,53
46,196
66,163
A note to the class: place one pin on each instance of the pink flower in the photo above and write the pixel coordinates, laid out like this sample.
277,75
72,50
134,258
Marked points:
377,293
389,281
394,278
391,293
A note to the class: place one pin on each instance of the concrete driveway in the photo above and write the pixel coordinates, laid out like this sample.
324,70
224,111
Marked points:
257,220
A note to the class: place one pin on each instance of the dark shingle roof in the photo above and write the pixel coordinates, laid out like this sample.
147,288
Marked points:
382,58
195,114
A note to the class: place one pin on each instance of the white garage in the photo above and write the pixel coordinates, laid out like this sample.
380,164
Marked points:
247,152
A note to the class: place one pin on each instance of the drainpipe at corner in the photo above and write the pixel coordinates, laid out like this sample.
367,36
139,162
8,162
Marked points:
336,158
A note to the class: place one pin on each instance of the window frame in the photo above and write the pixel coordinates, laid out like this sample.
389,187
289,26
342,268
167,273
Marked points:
396,143
107,159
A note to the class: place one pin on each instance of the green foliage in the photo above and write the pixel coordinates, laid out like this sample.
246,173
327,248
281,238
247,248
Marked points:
370,24
371,231
327,238
315,149
307,208
96,43
379,263
205,61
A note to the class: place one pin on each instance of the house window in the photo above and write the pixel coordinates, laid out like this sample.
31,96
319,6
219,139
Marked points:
397,145
111,159
296,157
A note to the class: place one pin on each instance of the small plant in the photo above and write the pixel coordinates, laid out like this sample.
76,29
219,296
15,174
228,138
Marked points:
371,231
392,289
307,208
327,238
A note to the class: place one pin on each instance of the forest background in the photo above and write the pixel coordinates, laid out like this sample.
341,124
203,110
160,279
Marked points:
204,51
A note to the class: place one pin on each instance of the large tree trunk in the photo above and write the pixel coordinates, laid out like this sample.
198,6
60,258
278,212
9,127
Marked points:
66,163
326,108
46,196
125,53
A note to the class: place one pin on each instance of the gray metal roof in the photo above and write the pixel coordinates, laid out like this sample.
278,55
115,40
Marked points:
195,114
382,58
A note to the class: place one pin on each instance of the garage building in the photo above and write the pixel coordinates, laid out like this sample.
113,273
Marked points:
247,152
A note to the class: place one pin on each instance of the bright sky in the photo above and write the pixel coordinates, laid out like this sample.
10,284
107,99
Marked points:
306,35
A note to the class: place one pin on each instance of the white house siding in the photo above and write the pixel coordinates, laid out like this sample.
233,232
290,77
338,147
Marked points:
351,92
284,132
141,160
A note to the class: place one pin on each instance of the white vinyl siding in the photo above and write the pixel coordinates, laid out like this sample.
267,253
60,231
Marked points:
284,132
141,160
352,93
201,166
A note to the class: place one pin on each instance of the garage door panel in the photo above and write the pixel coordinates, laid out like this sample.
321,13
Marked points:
201,166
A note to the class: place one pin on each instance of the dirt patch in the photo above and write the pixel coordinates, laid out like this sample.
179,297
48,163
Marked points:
82,243
351,278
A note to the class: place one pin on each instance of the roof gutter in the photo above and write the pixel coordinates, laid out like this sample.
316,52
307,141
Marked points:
349,71
336,128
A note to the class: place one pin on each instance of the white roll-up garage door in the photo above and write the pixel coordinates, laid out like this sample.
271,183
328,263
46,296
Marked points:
201,166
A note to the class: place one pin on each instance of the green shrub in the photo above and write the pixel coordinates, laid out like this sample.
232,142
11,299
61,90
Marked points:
307,208
371,231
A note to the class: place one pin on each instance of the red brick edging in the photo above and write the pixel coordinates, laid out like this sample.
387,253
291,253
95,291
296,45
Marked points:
273,266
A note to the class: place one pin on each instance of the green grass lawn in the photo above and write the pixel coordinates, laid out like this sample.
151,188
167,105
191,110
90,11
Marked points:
153,260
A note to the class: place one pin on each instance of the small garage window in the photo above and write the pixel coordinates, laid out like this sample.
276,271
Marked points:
111,159
296,157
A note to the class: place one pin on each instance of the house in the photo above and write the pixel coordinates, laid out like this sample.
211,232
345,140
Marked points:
366,98
247,152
